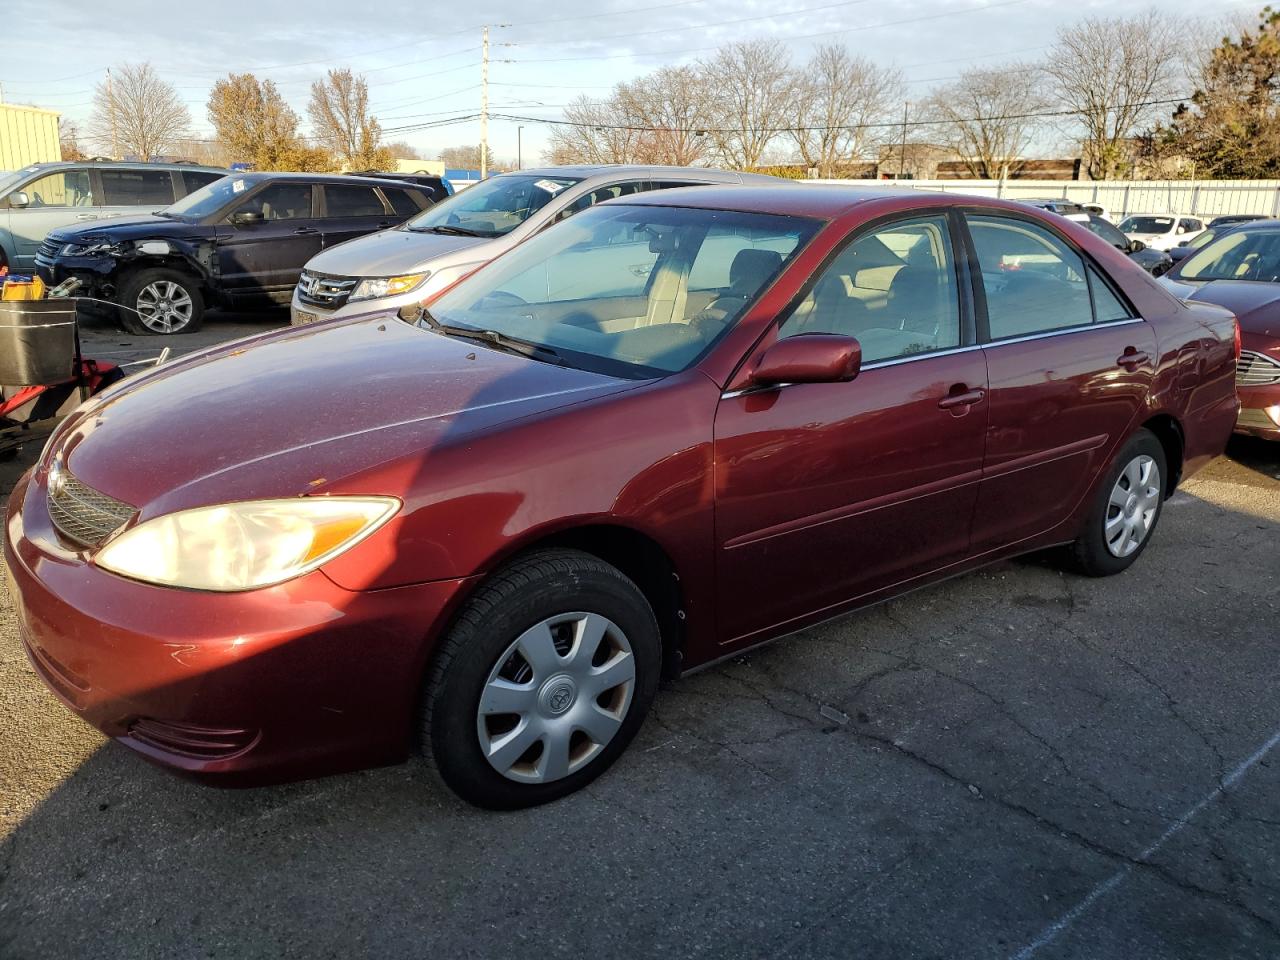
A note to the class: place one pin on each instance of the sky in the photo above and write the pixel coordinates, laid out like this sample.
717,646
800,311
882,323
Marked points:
422,62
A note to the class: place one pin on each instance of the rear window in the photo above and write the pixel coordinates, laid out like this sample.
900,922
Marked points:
136,188
353,201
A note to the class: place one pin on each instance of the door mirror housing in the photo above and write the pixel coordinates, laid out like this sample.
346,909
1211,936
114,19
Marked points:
1136,246
246,218
19,199
809,358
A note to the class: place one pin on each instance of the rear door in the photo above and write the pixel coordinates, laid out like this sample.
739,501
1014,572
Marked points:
1070,365
265,259
826,492
353,210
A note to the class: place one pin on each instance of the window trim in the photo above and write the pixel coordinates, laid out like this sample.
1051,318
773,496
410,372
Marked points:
980,293
960,265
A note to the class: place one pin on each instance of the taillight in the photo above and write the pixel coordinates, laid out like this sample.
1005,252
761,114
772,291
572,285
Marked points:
1236,342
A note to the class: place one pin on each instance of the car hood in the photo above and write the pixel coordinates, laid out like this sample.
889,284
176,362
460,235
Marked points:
130,228
1256,305
298,410
393,252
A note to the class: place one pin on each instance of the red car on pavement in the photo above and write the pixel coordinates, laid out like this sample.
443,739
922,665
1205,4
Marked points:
1240,271
666,430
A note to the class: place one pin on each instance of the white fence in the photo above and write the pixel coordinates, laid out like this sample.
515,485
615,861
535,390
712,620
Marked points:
1204,198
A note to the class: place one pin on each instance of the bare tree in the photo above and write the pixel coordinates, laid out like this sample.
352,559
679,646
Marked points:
595,131
69,140
135,113
837,97
403,150
986,118
671,105
1107,72
750,92
339,112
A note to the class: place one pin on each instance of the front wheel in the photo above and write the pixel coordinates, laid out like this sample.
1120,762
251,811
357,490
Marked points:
1126,509
161,302
542,682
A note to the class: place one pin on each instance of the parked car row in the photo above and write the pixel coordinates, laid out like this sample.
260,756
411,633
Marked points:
667,428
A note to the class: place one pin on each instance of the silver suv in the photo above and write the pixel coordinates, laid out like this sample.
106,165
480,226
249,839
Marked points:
411,263
44,196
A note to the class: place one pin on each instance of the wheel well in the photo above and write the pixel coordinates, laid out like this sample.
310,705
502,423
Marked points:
646,564
1169,432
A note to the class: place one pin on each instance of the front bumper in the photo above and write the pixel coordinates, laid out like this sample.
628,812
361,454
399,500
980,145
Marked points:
96,274
293,681
302,313
1260,412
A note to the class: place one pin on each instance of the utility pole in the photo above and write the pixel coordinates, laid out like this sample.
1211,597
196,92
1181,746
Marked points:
902,157
111,103
519,148
484,103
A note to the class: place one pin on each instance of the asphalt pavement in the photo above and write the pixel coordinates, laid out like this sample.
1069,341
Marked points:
1016,763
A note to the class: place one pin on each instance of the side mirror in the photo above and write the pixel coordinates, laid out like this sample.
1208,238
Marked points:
19,199
809,358
1136,246
246,217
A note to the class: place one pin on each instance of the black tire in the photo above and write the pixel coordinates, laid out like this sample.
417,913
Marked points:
1089,554
530,590
137,282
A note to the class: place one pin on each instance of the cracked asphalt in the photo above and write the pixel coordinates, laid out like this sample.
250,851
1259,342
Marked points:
1016,763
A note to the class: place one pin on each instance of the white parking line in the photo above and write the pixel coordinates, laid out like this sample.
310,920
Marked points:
1051,932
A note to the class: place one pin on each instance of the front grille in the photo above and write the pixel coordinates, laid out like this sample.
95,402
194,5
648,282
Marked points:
81,513
325,291
1256,370
49,249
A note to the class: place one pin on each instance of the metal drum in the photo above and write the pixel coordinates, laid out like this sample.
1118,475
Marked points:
37,341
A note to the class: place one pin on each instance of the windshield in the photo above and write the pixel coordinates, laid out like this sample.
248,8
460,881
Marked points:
1103,229
1146,224
208,199
492,207
1242,254
634,291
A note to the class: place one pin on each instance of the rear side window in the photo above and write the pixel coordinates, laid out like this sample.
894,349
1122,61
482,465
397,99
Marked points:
1033,281
193,180
352,201
401,202
1106,305
137,188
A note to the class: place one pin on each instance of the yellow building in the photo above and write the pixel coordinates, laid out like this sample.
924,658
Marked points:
27,135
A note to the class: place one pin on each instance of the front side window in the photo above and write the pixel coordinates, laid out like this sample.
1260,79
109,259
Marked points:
136,188
1242,254
894,289
492,207
1033,281
600,195
280,201
354,201
67,188
614,288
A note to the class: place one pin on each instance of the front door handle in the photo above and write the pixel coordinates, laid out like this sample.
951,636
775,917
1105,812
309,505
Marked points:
1132,358
86,216
386,223
961,398
305,231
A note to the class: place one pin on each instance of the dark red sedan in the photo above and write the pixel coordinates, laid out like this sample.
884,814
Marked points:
659,433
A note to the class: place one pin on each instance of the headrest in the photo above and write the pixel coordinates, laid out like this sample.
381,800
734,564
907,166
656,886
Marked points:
751,268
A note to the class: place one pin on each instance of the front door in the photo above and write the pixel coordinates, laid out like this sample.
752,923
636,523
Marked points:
827,492
265,258
1070,366
61,199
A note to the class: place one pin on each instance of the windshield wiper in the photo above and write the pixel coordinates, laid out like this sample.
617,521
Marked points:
451,230
493,338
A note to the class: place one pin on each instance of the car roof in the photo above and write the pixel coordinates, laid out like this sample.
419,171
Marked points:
256,176
609,171
817,200
55,165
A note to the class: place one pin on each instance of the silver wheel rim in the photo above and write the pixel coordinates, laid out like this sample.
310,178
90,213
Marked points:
164,306
556,697
1132,507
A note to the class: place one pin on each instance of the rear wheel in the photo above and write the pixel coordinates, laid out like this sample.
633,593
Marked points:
161,302
1126,509
542,681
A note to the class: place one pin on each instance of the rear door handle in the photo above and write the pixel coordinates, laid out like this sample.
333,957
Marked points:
960,397
86,216
305,231
1132,358
386,223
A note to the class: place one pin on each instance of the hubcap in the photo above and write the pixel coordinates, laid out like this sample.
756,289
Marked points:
164,306
1132,508
556,697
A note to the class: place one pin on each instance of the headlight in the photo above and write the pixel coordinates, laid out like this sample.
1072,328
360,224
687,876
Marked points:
246,545
90,249
387,286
